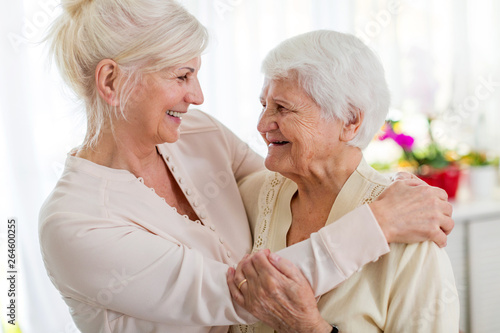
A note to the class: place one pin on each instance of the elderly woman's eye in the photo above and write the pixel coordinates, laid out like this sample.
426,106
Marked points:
183,78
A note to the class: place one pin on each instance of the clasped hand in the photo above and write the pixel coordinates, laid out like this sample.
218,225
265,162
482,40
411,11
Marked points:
276,292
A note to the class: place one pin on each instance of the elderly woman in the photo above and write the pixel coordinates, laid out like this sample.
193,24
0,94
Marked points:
324,97
141,228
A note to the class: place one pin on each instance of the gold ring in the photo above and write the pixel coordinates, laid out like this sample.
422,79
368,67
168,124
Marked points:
241,283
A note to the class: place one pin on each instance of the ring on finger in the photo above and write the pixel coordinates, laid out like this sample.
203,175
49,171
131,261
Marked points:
241,283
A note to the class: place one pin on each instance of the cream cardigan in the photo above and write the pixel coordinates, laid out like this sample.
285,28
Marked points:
411,289
125,261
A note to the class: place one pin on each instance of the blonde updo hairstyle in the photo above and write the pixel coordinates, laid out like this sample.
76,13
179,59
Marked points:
141,36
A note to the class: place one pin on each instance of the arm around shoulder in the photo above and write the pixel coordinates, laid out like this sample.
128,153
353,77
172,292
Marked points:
155,279
338,250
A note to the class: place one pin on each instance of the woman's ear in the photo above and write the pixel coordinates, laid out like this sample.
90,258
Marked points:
350,129
106,74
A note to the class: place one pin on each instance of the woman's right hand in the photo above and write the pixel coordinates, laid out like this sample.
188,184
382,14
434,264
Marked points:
410,211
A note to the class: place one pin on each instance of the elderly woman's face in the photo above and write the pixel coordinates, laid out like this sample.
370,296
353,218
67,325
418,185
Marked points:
155,112
291,124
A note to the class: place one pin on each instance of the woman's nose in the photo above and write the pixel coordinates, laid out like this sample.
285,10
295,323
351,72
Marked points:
267,121
195,94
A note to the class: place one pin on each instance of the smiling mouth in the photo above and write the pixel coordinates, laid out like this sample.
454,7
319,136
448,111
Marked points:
278,143
174,114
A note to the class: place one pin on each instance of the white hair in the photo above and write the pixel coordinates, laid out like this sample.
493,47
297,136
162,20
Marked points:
340,73
141,36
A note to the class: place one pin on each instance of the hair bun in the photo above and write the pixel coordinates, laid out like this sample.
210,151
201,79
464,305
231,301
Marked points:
74,7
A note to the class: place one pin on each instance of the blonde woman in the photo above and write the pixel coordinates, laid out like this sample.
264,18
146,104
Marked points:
146,219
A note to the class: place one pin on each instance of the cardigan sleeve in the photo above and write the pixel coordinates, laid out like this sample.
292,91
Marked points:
423,295
124,268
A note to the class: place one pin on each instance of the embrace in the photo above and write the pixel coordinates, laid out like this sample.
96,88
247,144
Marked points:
317,242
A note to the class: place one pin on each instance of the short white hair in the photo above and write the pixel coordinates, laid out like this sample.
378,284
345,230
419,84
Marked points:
141,36
338,72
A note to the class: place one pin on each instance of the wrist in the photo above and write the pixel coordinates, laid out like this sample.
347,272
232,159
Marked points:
324,327
378,212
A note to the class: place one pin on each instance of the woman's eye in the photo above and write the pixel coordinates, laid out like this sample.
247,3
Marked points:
183,78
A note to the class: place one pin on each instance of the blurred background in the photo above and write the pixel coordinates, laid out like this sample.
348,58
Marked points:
442,62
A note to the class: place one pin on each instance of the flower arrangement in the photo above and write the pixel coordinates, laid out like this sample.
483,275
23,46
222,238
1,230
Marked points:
438,166
421,160
431,163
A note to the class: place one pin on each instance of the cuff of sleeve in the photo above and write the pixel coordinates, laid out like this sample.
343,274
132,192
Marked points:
354,240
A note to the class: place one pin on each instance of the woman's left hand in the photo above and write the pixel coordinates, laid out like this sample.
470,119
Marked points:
276,292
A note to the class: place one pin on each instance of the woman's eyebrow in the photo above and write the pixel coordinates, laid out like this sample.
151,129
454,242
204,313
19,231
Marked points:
283,102
190,69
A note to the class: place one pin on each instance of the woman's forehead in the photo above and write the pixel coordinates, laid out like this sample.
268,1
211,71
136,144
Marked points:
285,88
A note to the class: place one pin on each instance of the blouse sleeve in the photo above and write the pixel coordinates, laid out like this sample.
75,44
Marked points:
336,251
127,269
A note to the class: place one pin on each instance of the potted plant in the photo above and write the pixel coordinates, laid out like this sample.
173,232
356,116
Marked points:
436,166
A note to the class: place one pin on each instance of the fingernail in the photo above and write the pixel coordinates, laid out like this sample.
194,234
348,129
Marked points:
274,257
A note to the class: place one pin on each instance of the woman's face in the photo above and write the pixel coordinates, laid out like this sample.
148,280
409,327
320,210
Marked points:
154,114
298,138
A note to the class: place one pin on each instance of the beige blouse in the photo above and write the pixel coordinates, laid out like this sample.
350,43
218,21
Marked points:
126,262
411,289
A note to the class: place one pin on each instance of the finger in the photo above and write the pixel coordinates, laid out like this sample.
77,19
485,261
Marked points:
440,193
406,176
447,209
244,268
439,238
286,267
447,225
402,176
260,265
233,287
409,183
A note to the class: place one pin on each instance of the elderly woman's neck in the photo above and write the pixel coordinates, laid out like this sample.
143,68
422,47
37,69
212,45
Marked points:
323,181
316,194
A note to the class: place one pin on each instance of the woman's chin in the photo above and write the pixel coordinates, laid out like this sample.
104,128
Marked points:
170,136
272,164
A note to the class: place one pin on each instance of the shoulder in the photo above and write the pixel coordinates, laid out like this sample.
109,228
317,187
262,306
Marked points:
371,175
366,184
82,194
196,121
254,181
420,259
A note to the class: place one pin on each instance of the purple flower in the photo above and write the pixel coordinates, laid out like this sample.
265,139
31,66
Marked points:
404,141
388,133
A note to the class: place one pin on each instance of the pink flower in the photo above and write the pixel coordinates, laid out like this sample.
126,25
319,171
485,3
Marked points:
403,140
